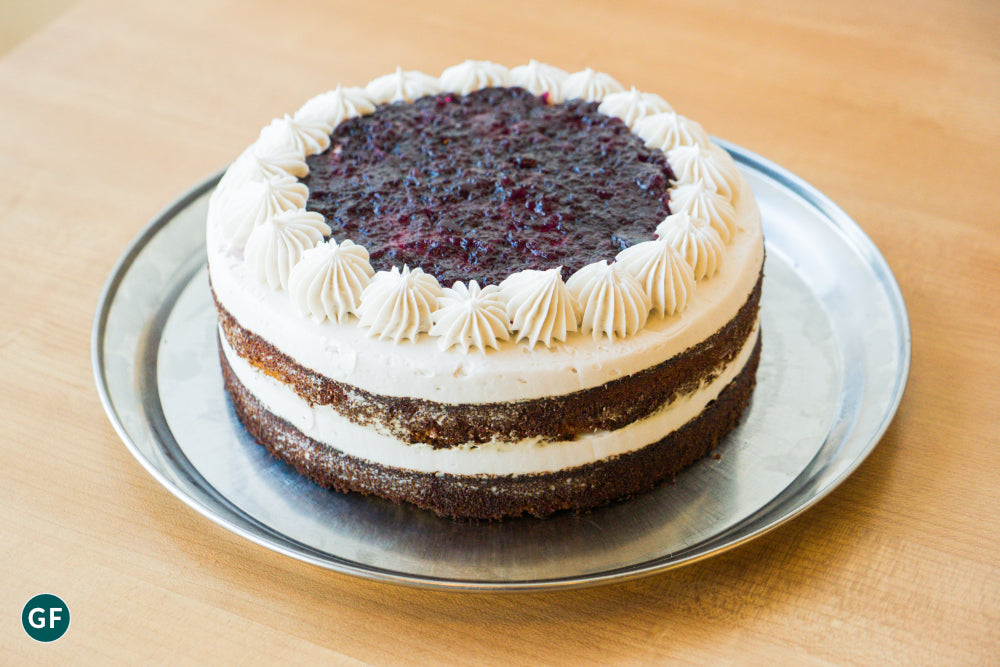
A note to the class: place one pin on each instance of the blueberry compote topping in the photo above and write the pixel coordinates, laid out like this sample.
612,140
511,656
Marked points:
483,185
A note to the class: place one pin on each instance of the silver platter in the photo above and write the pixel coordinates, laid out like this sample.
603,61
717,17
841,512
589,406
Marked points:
835,359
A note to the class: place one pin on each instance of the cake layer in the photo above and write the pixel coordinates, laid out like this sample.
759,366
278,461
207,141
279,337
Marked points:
493,496
375,444
605,408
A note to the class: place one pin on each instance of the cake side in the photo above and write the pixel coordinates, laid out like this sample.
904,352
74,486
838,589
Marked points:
496,496
417,420
529,455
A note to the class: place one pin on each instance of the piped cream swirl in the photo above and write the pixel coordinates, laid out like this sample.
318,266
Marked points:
612,300
668,130
402,86
473,75
470,316
696,241
256,202
397,305
261,162
275,246
539,306
709,165
700,201
301,137
590,85
329,279
663,273
540,79
335,106
632,106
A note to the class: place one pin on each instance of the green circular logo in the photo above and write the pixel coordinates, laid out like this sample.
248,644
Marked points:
45,618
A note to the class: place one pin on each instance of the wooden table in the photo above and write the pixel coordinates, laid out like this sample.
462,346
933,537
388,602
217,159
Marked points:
890,108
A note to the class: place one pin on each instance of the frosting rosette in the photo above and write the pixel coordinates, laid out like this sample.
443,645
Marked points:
590,85
470,316
540,79
700,201
275,246
300,136
258,201
539,306
260,162
668,130
329,279
612,300
335,106
696,241
632,106
664,274
397,305
472,75
705,164
402,86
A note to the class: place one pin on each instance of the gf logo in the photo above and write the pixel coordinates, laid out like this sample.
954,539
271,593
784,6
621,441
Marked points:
45,618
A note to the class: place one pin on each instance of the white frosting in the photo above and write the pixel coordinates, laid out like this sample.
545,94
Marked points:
668,130
473,75
397,305
261,162
539,79
257,187
322,423
701,201
612,300
590,86
344,352
663,273
253,203
470,317
402,86
539,306
633,106
696,241
276,246
302,137
329,279
335,106
711,166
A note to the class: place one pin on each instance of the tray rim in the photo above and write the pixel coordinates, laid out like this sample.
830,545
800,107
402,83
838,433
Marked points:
736,535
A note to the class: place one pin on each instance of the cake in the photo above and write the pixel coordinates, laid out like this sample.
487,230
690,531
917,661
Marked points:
493,293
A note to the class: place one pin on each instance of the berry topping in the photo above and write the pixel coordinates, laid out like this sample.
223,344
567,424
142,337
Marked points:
479,186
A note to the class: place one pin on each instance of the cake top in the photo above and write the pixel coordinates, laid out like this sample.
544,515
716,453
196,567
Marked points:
482,185
439,201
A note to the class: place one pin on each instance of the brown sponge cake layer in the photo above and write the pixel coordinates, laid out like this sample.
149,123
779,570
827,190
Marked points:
605,408
494,497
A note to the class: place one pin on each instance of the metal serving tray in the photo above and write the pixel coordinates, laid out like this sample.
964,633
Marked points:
836,352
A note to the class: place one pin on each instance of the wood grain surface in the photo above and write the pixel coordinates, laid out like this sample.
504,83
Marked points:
890,108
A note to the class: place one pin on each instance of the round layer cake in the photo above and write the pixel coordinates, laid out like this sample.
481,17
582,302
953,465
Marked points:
490,293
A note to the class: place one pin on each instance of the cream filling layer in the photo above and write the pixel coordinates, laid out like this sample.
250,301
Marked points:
322,423
343,351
